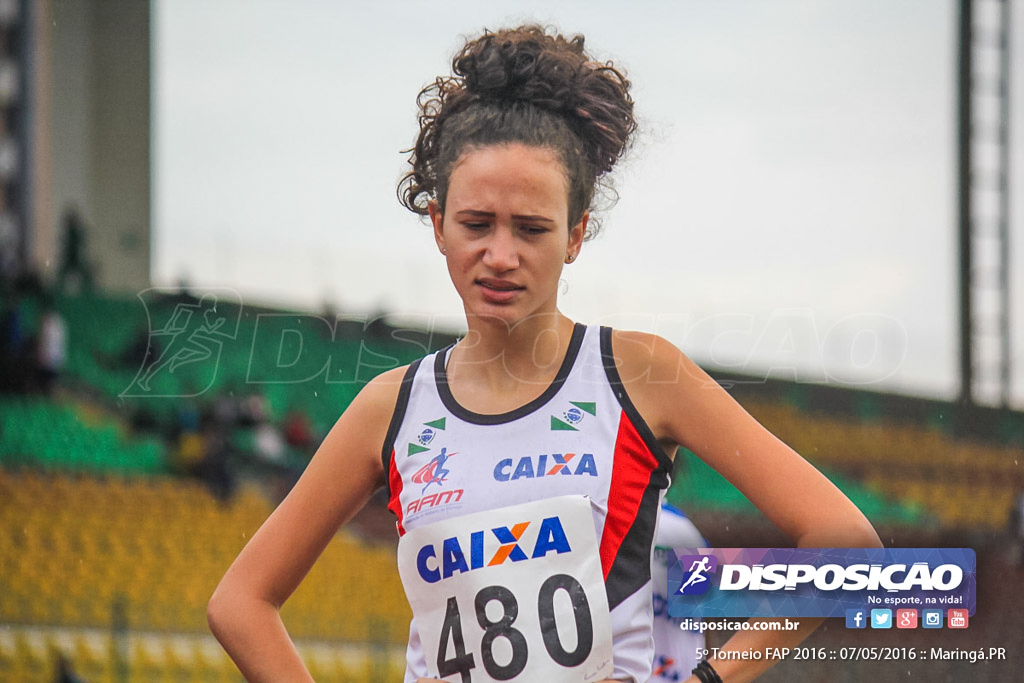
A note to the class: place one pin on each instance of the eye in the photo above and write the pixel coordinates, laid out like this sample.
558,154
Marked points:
534,229
475,225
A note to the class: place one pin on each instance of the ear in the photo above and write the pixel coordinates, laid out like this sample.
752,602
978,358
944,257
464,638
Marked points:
437,219
576,234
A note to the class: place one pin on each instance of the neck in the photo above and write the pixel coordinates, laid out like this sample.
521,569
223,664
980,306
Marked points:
529,350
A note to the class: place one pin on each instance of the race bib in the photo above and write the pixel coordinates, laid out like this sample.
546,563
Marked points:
513,593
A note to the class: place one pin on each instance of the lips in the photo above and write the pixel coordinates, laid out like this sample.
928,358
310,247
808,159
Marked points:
498,291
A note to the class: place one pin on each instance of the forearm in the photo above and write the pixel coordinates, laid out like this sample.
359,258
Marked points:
253,635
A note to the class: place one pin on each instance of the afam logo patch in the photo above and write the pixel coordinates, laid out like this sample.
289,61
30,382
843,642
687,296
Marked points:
434,472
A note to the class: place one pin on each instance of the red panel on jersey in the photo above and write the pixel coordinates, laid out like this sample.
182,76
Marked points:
395,491
631,476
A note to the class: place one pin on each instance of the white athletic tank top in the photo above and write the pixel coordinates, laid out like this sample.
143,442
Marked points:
582,435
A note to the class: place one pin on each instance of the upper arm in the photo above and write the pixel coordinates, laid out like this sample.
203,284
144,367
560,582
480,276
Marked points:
343,474
684,406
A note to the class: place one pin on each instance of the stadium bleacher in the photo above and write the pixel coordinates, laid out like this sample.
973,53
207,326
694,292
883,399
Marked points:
76,546
67,436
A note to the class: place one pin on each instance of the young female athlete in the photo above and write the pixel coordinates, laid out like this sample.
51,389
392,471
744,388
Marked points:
524,464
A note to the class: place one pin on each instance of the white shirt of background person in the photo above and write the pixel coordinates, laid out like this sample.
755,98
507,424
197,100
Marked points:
675,650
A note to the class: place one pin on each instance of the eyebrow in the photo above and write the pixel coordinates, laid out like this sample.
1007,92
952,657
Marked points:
489,214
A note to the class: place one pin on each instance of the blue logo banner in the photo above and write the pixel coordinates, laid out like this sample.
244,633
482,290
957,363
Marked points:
818,582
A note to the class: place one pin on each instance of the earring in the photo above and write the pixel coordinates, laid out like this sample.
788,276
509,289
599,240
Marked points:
444,251
569,258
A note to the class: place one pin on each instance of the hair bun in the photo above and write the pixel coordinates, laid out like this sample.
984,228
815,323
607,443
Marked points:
525,64
554,73
507,67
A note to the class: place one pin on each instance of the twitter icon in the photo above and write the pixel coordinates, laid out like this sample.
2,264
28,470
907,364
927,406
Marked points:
881,618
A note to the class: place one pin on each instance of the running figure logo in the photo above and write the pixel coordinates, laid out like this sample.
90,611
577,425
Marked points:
696,580
434,472
193,335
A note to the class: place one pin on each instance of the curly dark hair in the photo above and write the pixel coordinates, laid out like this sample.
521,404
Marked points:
522,85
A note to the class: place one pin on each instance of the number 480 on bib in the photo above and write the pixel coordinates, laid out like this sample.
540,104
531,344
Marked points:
463,661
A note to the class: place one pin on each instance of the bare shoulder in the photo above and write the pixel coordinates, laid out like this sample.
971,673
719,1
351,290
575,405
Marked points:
659,379
644,358
648,363
381,393
366,420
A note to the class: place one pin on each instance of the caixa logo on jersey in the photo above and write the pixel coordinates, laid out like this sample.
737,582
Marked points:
491,547
555,464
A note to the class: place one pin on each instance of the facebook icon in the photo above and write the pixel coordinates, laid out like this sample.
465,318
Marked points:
856,618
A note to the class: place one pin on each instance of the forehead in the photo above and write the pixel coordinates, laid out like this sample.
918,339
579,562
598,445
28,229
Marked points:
509,174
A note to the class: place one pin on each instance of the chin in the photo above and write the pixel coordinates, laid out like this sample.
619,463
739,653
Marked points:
495,314
509,315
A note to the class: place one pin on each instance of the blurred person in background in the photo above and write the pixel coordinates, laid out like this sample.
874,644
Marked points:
12,345
676,651
75,274
51,348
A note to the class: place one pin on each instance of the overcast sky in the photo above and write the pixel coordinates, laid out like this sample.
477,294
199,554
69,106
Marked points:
789,207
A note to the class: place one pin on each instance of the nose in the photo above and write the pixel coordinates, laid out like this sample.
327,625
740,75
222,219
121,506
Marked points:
501,253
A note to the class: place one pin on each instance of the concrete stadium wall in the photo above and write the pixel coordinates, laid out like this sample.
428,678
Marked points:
99,135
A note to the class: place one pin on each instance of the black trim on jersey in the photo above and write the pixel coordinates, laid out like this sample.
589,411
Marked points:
632,566
608,358
441,380
396,422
